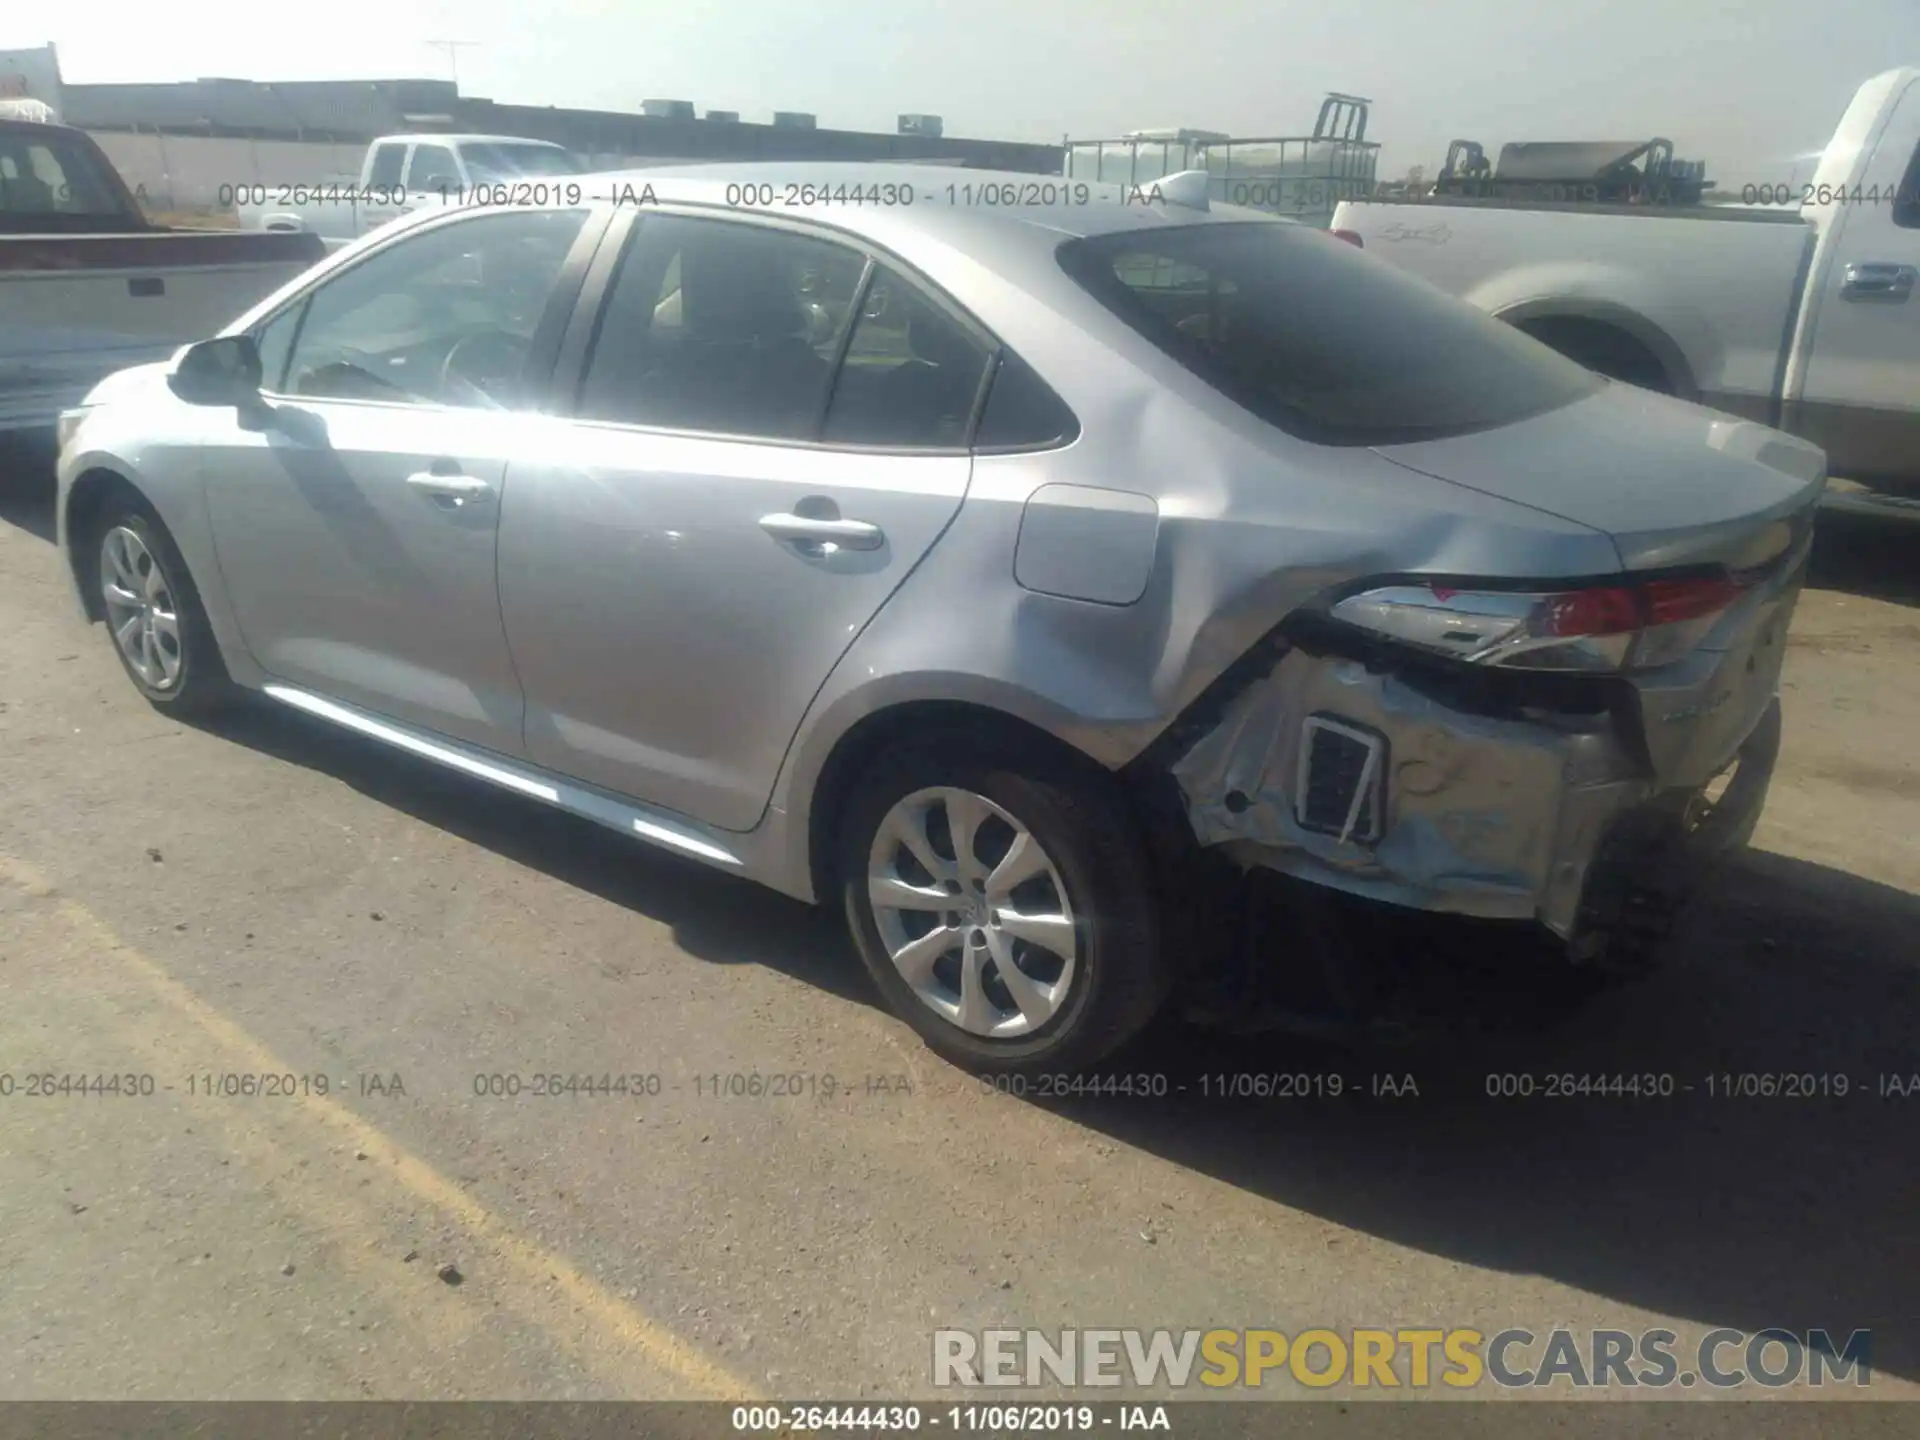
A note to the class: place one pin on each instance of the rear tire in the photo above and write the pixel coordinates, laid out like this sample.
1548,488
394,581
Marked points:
1002,855
155,621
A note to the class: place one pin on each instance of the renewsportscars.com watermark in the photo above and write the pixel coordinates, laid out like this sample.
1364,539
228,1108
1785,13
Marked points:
1458,1359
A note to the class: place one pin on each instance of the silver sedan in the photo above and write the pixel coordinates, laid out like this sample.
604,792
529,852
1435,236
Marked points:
1027,566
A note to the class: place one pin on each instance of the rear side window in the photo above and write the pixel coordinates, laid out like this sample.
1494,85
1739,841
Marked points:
432,168
1318,339
385,170
1022,412
1906,203
51,177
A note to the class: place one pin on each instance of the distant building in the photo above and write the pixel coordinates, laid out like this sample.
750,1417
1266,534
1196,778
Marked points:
342,111
352,112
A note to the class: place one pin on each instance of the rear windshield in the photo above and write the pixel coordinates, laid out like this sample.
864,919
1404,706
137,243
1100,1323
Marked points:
1319,339
45,174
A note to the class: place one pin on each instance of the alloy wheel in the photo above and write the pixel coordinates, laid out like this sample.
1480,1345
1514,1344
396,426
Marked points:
141,610
972,912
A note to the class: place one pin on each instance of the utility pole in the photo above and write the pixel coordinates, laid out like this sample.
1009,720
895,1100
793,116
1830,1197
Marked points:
453,49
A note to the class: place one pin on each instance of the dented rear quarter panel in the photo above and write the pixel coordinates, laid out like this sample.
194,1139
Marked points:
1490,817
1251,524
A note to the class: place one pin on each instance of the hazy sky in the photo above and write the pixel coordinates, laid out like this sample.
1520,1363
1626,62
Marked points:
1746,84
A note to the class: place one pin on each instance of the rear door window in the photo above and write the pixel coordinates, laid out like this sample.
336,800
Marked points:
1906,201
388,159
1318,339
432,168
722,327
912,373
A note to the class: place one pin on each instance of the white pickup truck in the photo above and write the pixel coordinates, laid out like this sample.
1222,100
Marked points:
89,285
1803,317
399,174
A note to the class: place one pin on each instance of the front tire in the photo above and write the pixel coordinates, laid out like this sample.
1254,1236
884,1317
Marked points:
153,612
1003,904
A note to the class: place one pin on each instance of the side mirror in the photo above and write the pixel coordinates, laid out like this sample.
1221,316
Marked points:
222,371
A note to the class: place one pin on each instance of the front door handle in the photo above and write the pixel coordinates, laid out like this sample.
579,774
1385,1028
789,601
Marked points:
1870,280
812,535
451,489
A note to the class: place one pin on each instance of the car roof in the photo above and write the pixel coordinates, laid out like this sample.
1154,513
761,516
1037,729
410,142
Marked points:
946,199
21,125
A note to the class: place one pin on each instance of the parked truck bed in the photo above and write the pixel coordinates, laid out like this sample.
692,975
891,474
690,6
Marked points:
1761,214
1803,317
88,285
1705,318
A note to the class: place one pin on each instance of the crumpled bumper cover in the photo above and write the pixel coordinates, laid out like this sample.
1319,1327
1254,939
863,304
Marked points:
1484,815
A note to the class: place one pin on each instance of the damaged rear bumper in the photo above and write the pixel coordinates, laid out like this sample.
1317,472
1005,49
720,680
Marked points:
1360,779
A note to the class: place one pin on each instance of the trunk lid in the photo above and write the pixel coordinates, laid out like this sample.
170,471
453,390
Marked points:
1673,484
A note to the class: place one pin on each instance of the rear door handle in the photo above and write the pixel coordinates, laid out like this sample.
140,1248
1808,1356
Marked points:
451,489
1872,280
812,536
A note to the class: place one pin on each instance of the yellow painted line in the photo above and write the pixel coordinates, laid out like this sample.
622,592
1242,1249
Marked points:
616,1319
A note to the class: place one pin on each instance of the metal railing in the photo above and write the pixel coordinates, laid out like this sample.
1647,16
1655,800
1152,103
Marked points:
1301,176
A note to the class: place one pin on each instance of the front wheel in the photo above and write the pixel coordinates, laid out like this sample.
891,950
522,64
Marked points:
1003,904
154,616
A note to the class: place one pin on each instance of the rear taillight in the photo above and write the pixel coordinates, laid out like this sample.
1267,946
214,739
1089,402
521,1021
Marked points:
1594,628
1611,610
1352,237
1670,601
